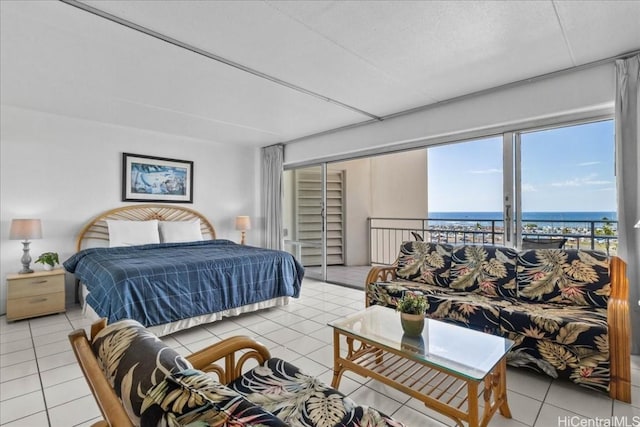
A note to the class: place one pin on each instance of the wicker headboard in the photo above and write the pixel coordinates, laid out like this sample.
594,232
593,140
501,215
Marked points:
97,228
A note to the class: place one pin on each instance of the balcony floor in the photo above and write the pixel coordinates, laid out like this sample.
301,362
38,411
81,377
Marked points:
351,276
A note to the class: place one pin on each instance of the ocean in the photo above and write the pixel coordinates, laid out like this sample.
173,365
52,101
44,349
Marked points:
526,216
556,217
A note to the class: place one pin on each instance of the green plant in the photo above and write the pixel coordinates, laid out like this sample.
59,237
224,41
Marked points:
412,303
50,258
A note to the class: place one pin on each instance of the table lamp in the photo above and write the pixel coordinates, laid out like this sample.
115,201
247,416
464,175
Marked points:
243,223
637,224
25,229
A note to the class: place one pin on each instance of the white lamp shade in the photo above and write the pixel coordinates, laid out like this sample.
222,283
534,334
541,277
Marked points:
637,224
243,223
25,229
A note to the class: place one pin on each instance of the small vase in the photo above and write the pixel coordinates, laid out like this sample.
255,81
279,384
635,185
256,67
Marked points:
412,324
48,267
413,343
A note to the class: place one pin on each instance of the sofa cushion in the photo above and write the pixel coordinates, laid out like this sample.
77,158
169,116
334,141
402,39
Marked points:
587,366
489,270
570,325
388,293
193,397
565,276
469,309
425,262
134,360
302,400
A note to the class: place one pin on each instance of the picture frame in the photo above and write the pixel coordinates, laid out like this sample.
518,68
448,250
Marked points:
156,179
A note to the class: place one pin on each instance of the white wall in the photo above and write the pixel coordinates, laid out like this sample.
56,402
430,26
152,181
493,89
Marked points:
66,171
399,183
577,93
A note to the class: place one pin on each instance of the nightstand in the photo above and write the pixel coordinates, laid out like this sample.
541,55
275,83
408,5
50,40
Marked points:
35,294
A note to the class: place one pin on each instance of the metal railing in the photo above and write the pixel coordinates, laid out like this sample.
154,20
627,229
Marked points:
386,234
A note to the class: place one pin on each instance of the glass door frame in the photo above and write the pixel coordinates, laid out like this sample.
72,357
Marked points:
296,244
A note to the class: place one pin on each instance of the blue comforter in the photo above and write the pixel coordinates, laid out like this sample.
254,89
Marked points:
161,283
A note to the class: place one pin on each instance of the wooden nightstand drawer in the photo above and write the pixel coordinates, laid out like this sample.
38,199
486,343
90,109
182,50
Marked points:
21,308
35,294
35,285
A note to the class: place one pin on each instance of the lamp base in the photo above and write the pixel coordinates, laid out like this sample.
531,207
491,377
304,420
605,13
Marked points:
26,258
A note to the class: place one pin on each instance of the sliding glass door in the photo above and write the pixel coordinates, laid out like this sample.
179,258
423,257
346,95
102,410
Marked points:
468,203
304,218
529,186
566,186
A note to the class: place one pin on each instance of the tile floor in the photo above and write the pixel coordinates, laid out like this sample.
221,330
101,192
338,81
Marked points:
41,384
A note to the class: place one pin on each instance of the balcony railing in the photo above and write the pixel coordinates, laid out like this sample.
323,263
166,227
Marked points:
386,234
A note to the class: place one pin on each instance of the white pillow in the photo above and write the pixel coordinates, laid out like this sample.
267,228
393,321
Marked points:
131,233
180,231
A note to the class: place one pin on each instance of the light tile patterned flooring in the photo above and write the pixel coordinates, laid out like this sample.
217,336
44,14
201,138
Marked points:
41,384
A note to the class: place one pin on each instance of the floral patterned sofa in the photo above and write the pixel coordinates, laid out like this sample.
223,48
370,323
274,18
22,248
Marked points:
138,380
565,309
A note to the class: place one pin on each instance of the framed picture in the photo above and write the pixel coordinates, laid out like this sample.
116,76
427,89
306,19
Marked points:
156,179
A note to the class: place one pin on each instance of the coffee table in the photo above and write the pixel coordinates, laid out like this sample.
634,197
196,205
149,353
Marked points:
451,369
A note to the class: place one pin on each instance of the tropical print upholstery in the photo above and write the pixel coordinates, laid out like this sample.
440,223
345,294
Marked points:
425,262
158,387
575,325
566,276
388,293
587,366
301,400
194,398
118,349
489,270
469,309
551,302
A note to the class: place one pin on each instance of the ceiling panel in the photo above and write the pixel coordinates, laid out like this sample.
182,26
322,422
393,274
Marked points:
382,57
598,29
262,35
444,48
59,60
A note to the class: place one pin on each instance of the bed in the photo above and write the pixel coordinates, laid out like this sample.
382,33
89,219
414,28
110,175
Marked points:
178,280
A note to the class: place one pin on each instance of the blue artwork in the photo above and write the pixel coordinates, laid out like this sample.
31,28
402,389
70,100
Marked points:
156,179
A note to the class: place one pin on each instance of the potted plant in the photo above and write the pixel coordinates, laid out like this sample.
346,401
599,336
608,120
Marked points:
48,260
412,307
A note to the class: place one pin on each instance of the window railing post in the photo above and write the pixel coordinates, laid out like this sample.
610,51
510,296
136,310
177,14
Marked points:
369,240
384,233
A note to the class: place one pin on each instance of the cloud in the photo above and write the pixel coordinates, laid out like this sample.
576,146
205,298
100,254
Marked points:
569,183
588,163
528,188
485,171
579,182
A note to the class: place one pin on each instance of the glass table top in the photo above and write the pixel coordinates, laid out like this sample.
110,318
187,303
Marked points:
453,348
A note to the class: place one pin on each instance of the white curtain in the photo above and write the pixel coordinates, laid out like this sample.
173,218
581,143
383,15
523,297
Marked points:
628,181
272,193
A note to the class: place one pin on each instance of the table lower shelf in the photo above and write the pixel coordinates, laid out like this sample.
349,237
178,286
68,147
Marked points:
454,396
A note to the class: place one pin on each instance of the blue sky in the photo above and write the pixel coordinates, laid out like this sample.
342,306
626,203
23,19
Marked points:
564,169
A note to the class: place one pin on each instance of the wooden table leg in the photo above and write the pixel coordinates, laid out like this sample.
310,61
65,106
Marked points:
472,402
502,388
337,366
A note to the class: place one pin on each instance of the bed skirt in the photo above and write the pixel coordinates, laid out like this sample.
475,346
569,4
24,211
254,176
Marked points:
171,327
